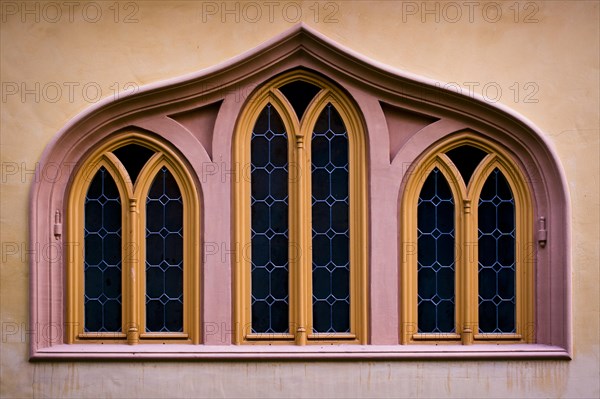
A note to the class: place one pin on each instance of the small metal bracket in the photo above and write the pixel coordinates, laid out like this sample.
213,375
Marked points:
57,225
542,232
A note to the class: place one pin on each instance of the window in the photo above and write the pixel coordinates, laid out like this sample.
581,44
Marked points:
468,252
300,215
299,202
133,268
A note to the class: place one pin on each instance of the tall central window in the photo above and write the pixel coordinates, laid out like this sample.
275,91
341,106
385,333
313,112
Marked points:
301,215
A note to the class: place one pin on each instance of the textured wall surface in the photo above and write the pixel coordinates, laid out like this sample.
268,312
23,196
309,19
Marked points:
539,58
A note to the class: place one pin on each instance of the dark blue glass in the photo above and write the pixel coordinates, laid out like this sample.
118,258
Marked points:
496,243
436,263
269,220
164,255
102,255
330,231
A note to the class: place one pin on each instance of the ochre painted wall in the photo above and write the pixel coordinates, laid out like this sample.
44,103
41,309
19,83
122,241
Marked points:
539,58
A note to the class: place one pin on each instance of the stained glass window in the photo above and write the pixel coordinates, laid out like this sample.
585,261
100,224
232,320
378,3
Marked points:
436,263
496,239
102,255
269,224
330,227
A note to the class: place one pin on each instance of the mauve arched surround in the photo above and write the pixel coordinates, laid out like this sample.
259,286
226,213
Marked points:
404,115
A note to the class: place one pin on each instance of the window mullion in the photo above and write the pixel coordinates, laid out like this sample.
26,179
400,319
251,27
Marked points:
302,230
467,277
131,259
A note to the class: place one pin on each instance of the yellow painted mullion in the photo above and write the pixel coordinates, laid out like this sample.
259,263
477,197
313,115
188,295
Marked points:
131,265
304,284
295,246
305,226
468,288
462,264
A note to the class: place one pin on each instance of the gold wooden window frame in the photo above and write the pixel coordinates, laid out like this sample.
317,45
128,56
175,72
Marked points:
299,134
133,244
466,198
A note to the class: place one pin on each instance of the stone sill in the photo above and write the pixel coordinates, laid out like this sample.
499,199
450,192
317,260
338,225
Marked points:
311,352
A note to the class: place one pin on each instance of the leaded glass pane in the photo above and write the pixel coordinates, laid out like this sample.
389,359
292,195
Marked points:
330,227
496,242
102,255
436,263
164,255
269,221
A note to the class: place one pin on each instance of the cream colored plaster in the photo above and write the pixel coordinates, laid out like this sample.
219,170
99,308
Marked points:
558,54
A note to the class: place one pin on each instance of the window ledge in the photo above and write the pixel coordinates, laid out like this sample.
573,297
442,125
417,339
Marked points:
312,352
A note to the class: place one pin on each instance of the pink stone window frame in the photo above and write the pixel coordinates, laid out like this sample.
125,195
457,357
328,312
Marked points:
196,115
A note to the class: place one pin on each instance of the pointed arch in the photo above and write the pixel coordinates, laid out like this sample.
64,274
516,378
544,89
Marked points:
467,196
410,247
133,247
300,132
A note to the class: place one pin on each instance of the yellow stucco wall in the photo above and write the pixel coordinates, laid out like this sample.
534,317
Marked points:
543,56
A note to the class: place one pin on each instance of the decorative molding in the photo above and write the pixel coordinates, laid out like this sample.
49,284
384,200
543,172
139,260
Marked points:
402,125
